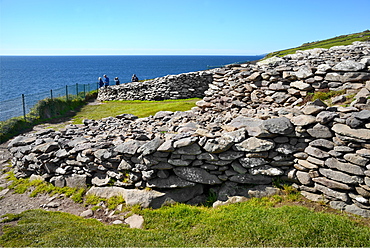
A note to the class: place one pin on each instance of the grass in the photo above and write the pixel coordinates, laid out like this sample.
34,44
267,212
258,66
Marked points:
277,220
252,223
138,108
336,41
36,187
324,96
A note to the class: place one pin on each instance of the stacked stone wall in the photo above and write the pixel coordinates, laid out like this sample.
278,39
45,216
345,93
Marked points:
251,129
182,86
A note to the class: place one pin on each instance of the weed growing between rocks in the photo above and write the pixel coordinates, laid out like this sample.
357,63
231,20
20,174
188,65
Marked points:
38,186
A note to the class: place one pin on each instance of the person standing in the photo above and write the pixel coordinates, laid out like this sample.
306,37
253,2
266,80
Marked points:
134,78
106,80
100,82
116,80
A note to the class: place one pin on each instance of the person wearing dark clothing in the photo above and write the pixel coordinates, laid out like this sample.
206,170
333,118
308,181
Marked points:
116,80
134,78
106,80
100,82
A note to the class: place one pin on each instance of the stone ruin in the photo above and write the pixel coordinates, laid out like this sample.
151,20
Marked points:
182,86
252,128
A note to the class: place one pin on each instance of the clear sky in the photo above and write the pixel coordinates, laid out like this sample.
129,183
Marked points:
173,27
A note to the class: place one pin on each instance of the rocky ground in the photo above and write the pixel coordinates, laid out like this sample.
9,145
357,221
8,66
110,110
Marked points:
11,203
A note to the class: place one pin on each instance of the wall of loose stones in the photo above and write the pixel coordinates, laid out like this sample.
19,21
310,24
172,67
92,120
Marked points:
334,166
324,150
182,86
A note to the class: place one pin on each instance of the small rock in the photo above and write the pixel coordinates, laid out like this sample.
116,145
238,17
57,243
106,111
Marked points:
117,222
87,213
135,221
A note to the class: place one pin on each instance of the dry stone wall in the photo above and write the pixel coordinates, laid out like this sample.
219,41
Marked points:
186,85
251,128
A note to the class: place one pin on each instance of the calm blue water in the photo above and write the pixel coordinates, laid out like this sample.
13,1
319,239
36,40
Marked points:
35,74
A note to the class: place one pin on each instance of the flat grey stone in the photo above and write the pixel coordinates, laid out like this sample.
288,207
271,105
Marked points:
312,196
192,149
349,65
254,144
129,147
320,131
362,115
46,147
252,162
339,176
356,210
170,182
150,147
331,184
356,159
281,125
346,167
316,152
332,193
217,145
196,175
87,213
304,178
235,136
324,143
230,155
21,141
266,170
326,116
307,164
303,120
251,179
311,109
345,130
304,72
76,181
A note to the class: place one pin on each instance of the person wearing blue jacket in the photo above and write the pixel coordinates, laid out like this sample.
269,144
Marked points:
101,83
106,80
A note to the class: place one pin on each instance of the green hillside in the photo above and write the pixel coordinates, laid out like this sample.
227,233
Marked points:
336,41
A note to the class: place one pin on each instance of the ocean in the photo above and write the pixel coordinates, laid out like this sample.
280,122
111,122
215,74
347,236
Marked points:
34,74
37,76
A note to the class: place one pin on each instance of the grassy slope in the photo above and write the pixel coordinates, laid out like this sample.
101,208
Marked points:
336,41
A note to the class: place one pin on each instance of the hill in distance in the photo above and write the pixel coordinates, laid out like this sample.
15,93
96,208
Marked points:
336,41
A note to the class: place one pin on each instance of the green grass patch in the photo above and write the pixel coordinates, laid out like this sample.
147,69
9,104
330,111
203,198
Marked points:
336,41
36,187
324,95
245,224
138,108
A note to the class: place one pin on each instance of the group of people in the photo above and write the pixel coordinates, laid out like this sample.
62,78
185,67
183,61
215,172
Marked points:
105,80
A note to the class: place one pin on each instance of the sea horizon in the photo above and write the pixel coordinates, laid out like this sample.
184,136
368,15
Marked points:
35,76
54,70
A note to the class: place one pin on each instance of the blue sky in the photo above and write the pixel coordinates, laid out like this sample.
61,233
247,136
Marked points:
173,27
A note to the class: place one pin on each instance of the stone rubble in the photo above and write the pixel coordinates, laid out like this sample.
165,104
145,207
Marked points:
182,86
252,126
